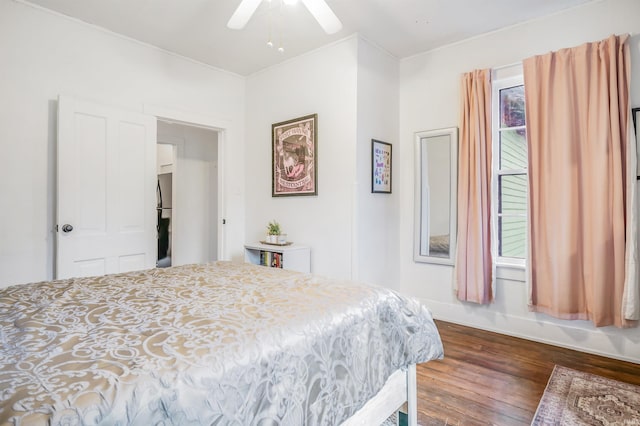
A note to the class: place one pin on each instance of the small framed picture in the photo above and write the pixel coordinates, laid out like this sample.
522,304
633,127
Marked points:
380,166
294,157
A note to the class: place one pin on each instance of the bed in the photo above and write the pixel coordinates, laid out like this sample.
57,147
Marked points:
220,344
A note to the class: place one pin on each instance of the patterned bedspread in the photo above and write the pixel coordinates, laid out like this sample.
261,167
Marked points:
216,344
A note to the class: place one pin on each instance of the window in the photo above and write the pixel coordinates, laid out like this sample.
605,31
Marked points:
509,209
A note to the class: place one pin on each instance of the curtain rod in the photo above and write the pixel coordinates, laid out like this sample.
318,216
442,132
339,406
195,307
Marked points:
506,66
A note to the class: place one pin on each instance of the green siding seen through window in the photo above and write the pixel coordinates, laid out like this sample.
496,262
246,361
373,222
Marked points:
512,193
514,236
513,149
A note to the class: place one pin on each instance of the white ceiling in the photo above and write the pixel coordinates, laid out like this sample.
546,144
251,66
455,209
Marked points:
197,28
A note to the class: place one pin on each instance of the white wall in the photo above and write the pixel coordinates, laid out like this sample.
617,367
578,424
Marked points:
353,87
376,216
321,82
44,55
165,160
195,215
429,99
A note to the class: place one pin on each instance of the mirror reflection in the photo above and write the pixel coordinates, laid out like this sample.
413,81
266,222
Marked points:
436,171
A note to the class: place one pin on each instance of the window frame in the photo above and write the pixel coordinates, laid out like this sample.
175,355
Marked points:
496,86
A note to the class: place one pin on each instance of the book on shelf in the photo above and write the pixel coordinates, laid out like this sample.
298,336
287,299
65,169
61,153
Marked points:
276,260
269,258
265,258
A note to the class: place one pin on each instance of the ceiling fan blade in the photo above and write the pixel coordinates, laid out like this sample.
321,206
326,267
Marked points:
242,14
324,15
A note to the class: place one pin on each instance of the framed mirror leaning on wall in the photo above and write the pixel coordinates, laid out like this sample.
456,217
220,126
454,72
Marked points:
436,183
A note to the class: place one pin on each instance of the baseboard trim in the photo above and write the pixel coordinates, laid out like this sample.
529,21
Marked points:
594,341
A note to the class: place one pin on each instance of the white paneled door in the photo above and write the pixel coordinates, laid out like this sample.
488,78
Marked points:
106,190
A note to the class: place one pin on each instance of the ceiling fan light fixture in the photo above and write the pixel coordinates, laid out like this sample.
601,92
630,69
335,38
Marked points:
318,8
324,15
242,14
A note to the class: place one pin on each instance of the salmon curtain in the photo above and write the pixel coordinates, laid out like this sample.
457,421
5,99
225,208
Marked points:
473,274
577,109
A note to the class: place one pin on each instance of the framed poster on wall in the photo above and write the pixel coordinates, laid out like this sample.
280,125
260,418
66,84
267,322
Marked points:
294,159
380,167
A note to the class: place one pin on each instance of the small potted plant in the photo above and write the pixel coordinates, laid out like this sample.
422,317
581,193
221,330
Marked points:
273,231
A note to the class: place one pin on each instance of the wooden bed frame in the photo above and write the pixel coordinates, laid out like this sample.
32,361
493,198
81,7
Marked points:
399,388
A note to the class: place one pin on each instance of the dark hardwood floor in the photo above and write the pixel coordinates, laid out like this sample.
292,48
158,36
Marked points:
492,379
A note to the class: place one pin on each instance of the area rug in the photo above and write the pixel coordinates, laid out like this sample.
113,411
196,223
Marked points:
575,398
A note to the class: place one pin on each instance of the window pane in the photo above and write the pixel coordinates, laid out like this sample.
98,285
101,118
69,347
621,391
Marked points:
513,149
512,193
513,236
512,107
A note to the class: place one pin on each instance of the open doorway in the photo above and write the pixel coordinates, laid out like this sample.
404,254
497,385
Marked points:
188,186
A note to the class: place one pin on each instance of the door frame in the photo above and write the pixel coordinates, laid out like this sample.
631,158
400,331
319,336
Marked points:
217,124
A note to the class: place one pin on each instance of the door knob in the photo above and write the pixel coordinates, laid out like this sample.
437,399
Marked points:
67,228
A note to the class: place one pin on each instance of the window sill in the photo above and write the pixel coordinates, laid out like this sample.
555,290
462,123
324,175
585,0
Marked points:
511,272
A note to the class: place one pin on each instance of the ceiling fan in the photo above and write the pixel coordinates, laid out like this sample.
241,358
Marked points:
318,8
